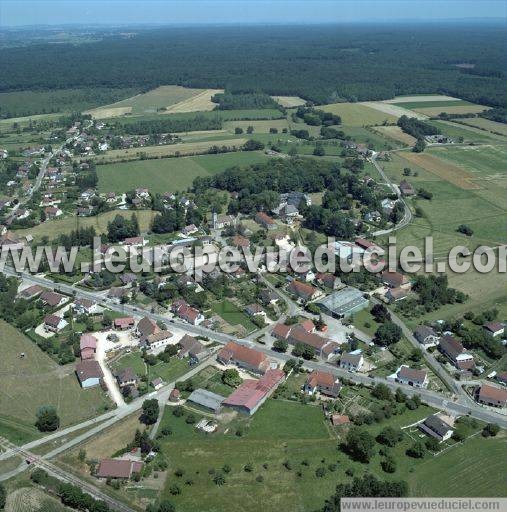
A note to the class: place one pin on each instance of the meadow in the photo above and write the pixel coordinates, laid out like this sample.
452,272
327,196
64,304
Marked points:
357,114
485,124
169,174
456,109
258,126
482,208
168,150
54,228
35,380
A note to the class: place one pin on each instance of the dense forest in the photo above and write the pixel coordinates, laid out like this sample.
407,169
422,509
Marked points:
322,63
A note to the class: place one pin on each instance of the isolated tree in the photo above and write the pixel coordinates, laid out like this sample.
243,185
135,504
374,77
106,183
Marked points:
387,334
231,377
319,149
238,130
389,464
150,412
465,229
219,479
382,392
380,313
47,419
250,129
390,436
417,450
359,444
491,429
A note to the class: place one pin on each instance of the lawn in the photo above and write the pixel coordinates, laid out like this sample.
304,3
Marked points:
168,372
169,174
35,380
355,114
56,227
469,133
232,315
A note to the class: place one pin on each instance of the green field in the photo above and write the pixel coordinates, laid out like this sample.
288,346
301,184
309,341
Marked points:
469,133
426,104
485,124
35,380
27,103
232,315
169,174
476,468
355,114
53,228
258,126
482,208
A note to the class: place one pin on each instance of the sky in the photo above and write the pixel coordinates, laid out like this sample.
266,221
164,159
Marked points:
57,12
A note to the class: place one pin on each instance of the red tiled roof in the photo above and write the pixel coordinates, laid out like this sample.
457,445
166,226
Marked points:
302,289
124,322
317,378
281,330
412,374
251,392
492,393
233,351
52,320
87,341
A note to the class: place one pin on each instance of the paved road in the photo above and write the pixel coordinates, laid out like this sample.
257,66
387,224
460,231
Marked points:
473,408
407,217
65,476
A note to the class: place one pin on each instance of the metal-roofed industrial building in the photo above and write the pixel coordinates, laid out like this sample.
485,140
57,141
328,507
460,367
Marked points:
344,302
207,399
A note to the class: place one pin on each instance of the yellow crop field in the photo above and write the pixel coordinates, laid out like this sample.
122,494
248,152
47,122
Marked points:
197,103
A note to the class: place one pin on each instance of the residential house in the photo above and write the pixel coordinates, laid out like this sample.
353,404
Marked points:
251,394
426,336
394,279
268,297
351,362
223,221
126,377
396,294
128,278
253,310
338,420
306,292
52,212
124,323
190,229
265,221
328,280
492,396
146,327
192,348
53,299
118,293
373,216
388,205
122,469
89,373
456,353
244,357
54,323
157,341
157,383
31,292
85,307
322,382
134,241
411,377
494,328
186,312
435,427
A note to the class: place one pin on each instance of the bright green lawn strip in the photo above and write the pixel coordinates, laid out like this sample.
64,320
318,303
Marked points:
232,315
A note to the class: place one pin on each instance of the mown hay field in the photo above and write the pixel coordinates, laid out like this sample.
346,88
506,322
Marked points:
360,114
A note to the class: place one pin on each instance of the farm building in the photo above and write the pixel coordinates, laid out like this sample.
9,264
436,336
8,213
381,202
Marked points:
89,373
434,426
207,399
343,302
491,395
251,394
